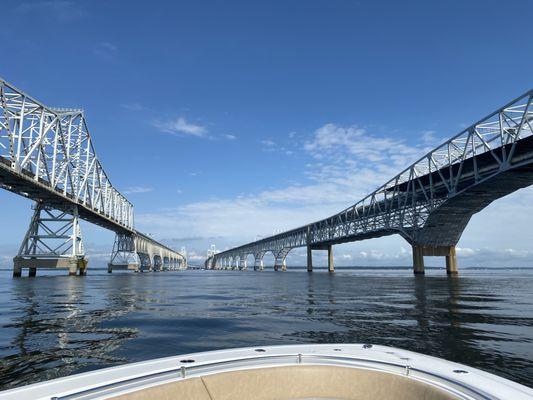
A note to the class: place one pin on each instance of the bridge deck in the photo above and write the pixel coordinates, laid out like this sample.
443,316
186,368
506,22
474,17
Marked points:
25,185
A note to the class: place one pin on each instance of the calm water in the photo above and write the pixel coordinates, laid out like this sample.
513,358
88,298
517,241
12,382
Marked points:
53,326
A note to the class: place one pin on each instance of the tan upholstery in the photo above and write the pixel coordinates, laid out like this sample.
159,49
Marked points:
187,389
295,382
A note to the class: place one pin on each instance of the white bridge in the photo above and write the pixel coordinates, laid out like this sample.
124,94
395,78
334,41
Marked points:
429,203
47,155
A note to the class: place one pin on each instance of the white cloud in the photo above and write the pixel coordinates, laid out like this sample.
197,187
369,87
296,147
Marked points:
181,126
229,137
133,106
338,179
353,144
430,138
138,189
105,50
268,145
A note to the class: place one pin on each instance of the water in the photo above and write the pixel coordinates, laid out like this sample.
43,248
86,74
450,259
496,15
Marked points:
54,326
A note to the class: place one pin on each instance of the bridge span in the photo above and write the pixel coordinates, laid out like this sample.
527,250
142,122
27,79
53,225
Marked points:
47,155
429,203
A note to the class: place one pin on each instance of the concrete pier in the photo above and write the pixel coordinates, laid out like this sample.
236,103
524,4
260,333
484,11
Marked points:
73,265
451,262
122,267
331,268
418,260
309,259
419,251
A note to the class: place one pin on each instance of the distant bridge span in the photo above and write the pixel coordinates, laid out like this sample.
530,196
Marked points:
429,203
47,155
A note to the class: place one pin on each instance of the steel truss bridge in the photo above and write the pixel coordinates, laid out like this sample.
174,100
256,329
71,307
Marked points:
47,155
429,203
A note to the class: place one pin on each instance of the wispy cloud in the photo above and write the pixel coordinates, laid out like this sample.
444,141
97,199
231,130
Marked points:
105,50
229,137
339,173
138,189
181,126
62,10
133,106
268,143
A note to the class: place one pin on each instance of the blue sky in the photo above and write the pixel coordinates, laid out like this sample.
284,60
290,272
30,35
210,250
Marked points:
223,120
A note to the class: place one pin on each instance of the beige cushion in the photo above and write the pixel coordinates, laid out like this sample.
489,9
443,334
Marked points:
295,382
187,389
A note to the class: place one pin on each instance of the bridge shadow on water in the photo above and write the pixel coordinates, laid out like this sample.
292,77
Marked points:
55,325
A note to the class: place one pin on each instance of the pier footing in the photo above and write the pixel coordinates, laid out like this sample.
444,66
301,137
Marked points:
74,265
328,247
419,251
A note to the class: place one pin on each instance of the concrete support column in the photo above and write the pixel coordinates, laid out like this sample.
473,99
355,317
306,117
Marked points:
17,268
72,267
309,259
284,265
83,266
451,262
418,260
331,267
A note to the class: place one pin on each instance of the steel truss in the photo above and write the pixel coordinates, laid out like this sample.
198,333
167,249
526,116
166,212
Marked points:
415,202
52,148
53,240
124,254
47,154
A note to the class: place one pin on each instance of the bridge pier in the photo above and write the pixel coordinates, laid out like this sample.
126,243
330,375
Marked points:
329,248
53,240
419,251
451,262
418,260
309,259
331,267
124,255
280,263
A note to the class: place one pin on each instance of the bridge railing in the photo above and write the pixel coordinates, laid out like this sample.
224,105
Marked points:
53,147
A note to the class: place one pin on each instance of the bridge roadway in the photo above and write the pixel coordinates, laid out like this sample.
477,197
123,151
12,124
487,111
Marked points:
429,203
47,155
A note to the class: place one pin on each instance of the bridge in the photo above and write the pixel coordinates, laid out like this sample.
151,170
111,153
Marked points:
429,203
47,155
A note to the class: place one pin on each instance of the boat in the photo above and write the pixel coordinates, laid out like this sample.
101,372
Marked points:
308,371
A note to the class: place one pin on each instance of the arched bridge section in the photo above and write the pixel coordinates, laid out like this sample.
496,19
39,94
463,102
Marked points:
430,202
47,155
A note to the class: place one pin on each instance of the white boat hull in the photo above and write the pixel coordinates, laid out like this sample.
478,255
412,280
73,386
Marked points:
286,371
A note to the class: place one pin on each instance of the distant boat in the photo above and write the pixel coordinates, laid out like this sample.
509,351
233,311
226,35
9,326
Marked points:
332,371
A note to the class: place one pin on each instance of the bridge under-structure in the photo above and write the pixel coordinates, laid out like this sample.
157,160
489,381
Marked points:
47,155
429,203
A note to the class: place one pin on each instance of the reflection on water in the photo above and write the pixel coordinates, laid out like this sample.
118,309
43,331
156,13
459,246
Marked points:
54,326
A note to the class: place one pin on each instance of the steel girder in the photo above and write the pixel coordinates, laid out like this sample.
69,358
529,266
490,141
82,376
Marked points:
487,160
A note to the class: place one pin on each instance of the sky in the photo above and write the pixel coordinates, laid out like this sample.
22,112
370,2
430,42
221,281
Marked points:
225,121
